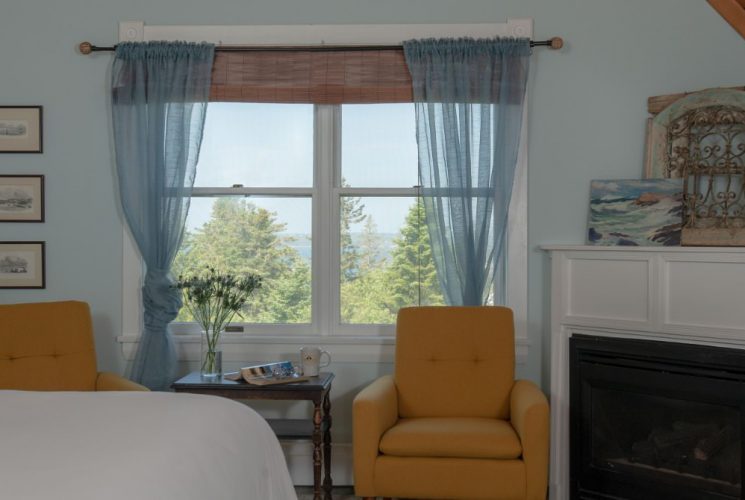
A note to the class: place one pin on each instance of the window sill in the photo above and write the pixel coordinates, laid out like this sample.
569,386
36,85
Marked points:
243,348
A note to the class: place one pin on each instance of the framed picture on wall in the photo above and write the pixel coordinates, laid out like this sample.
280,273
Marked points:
22,264
21,198
20,129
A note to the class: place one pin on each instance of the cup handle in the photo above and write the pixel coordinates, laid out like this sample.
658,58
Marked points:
328,362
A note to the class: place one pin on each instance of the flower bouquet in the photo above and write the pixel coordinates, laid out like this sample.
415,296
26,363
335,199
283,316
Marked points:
213,299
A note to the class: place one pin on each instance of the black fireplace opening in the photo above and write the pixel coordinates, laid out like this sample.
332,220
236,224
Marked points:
655,420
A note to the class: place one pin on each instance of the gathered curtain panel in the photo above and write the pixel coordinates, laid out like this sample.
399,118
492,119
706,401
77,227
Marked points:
469,97
159,93
297,76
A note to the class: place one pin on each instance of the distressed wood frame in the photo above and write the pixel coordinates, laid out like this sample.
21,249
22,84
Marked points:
664,110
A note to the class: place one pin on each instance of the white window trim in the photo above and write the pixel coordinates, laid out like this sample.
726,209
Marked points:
350,343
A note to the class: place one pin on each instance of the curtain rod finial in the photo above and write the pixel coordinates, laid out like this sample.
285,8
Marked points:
557,42
85,48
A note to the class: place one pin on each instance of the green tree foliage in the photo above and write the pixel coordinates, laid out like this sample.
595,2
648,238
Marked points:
243,238
412,276
240,237
371,246
352,212
383,286
364,300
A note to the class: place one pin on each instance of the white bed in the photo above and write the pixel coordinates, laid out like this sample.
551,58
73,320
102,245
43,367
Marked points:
136,446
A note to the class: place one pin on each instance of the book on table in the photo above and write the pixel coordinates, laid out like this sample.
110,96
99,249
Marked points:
281,372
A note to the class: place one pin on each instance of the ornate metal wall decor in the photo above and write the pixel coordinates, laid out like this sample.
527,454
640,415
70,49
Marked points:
700,137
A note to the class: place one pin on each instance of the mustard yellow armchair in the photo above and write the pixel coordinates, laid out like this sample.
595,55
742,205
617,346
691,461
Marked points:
48,346
452,422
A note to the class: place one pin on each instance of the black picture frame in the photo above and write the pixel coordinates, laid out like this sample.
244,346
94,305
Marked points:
21,129
11,209
21,257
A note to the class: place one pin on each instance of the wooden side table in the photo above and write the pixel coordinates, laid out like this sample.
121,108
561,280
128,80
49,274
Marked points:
317,429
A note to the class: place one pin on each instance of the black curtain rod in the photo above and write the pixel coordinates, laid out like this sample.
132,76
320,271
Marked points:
88,48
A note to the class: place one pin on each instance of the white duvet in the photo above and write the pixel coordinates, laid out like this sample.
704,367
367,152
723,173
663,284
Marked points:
136,446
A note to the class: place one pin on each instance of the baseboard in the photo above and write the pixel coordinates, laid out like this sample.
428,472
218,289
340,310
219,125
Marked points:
299,455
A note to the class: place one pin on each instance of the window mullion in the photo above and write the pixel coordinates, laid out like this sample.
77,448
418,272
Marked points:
387,192
274,192
334,256
325,132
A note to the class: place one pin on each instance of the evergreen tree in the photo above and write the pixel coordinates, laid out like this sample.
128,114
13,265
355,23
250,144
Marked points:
409,278
412,276
371,247
364,299
352,211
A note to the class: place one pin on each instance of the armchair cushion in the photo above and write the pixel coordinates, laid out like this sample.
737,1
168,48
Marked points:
463,351
47,346
451,438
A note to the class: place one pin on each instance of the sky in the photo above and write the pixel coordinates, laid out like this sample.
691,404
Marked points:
271,145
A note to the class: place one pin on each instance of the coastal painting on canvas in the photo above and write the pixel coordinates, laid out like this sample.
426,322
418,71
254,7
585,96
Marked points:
636,212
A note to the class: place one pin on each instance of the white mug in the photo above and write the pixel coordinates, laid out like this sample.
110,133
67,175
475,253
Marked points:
310,359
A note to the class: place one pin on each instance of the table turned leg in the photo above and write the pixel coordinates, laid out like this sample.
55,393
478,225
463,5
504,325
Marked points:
327,483
317,440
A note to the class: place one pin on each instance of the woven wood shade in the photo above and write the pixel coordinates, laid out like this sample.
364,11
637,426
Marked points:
336,77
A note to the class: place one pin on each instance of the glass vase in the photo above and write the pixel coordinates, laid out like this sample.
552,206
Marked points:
211,358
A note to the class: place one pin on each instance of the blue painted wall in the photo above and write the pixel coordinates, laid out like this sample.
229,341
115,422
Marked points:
587,112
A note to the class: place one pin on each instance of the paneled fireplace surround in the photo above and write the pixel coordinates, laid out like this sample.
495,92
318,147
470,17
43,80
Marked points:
686,295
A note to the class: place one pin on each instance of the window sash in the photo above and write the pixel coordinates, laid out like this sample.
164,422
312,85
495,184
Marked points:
326,195
239,327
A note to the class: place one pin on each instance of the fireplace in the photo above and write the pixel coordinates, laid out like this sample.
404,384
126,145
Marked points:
655,420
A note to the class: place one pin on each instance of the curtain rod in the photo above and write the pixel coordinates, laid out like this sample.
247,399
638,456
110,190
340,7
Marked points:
86,48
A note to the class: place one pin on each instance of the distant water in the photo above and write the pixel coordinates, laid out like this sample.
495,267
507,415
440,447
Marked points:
302,244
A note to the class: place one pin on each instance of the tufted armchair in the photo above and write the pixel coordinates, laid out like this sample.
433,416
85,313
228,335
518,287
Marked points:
452,422
48,346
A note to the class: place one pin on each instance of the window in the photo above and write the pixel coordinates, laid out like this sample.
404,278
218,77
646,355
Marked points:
312,177
321,201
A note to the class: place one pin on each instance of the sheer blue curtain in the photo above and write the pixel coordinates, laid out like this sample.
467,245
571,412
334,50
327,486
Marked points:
159,99
469,97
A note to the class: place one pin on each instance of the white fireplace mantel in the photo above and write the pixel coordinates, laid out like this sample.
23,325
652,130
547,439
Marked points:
677,294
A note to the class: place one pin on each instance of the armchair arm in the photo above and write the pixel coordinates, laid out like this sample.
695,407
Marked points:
530,418
107,381
374,411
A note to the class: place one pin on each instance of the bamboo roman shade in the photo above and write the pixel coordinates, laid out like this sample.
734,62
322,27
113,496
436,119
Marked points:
297,76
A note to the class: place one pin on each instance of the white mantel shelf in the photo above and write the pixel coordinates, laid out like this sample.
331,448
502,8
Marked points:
674,294
598,248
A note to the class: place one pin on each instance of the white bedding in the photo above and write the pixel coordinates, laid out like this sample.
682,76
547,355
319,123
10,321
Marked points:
136,446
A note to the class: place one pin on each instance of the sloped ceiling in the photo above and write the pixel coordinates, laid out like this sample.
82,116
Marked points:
733,11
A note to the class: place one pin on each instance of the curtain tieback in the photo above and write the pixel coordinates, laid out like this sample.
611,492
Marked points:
161,300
